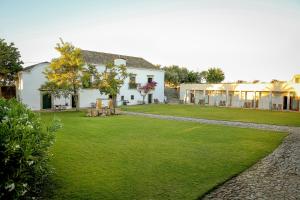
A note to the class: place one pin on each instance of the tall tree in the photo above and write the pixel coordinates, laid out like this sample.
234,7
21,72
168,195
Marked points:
171,76
215,75
175,75
66,71
202,76
10,63
110,80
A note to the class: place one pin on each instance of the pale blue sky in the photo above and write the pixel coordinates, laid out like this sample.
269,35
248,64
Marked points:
249,40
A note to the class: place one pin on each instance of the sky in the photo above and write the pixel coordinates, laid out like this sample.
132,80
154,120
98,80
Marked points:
248,39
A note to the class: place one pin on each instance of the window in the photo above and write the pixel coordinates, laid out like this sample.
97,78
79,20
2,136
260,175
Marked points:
132,81
122,98
132,78
150,78
132,97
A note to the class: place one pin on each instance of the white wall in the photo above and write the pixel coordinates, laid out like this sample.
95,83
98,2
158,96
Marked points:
31,81
142,78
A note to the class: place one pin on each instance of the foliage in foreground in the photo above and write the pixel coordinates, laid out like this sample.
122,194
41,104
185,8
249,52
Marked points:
24,145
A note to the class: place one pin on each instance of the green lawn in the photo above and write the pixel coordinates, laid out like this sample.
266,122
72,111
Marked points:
127,157
230,114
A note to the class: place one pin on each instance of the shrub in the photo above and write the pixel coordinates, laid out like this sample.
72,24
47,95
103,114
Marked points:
24,150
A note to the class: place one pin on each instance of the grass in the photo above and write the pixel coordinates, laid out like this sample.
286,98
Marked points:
230,114
127,157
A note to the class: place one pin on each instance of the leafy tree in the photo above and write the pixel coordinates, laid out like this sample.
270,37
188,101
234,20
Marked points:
66,71
144,90
175,75
202,76
171,76
192,77
111,80
10,63
87,75
214,75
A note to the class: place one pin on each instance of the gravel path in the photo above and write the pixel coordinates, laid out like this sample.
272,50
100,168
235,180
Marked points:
277,176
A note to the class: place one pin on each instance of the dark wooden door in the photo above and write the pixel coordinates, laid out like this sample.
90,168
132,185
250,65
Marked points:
149,98
73,102
47,101
285,102
192,98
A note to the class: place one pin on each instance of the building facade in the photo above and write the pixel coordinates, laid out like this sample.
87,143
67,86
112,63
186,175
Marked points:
140,72
277,95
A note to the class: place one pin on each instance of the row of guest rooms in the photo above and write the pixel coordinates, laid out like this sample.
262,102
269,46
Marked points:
271,96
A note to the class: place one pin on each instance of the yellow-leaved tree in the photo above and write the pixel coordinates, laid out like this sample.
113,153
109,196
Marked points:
65,72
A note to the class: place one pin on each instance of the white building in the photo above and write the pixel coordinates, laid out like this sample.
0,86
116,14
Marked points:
278,95
140,72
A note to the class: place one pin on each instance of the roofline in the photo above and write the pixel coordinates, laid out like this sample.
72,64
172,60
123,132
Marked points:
120,55
28,68
127,66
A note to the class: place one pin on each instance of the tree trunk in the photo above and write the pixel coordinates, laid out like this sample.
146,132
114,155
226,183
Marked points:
144,99
76,99
114,102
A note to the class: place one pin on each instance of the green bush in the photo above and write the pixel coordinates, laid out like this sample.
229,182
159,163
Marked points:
24,145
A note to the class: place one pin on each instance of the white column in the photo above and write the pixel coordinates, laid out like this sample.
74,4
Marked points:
185,96
204,91
259,101
254,104
227,98
270,100
194,96
288,101
240,99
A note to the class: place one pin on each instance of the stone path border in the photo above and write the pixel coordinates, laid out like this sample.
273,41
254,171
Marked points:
276,176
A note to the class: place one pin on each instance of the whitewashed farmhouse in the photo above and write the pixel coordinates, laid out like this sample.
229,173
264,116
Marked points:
277,95
140,72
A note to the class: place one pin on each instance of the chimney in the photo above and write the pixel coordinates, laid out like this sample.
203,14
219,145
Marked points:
120,61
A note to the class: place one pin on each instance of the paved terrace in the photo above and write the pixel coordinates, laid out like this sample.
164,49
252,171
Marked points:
276,176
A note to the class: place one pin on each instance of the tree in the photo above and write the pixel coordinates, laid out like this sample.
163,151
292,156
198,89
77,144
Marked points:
144,90
66,71
10,63
110,80
88,73
174,75
214,75
192,77
202,76
171,76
